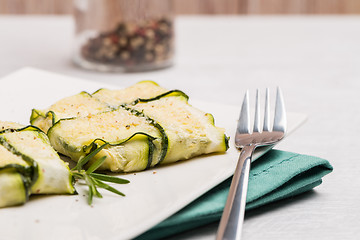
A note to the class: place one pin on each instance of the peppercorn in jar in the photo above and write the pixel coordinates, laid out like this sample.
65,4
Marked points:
124,35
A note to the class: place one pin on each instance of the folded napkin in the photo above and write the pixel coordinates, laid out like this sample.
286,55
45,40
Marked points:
274,176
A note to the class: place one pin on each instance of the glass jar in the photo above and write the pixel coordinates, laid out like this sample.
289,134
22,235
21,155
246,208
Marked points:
124,35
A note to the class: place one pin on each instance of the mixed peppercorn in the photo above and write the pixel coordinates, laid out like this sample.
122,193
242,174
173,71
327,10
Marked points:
130,44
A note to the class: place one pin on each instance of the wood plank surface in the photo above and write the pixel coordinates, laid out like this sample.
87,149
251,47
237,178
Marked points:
201,6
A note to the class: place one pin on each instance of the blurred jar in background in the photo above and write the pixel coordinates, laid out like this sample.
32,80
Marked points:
123,35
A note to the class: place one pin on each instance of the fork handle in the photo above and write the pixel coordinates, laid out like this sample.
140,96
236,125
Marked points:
233,215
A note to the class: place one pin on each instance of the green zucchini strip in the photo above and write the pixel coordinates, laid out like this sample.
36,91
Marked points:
166,94
84,103
15,183
164,137
92,148
25,171
28,164
33,165
77,105
190,131
18,173
16,180
143,89
49,174
77,137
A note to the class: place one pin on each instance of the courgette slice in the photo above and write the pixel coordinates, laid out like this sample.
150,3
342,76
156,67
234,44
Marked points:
144,89
13,189
14,185
133,143
190,131
26,155
83,104
77,105
161,150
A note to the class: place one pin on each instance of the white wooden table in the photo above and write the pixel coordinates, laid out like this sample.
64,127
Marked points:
316,61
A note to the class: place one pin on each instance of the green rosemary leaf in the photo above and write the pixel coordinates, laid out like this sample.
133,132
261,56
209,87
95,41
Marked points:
92,184
87,158
107,187
77,175
80,163
96,165
90,195
108,178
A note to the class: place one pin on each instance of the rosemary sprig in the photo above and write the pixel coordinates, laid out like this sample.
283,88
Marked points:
95,180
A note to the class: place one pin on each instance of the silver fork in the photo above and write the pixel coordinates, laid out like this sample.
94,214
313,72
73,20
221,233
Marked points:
233,216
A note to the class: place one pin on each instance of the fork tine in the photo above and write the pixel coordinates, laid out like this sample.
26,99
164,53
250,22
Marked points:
257,113
266,126
244,119
280,113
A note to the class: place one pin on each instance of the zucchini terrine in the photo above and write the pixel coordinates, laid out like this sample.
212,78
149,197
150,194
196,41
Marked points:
143,125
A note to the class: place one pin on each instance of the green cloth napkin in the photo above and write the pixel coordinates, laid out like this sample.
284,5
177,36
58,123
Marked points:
274,176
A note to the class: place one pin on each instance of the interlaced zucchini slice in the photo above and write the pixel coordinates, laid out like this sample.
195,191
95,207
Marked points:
26,155
190,131
13,180
134,143
143,89
83,104
78,105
